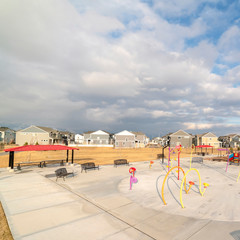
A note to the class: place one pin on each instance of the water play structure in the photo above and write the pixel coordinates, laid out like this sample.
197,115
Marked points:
191,183
133,179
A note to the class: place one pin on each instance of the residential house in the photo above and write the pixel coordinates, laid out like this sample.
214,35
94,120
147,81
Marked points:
231,140
97,137
79,138
141,140
67,137
179,137
124,139
235,140
7,135
207,139
158,140
38,135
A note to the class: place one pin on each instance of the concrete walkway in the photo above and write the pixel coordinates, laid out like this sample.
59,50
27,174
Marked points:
99,204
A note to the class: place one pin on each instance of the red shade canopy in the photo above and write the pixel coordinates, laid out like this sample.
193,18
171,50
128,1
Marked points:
39,148
204,146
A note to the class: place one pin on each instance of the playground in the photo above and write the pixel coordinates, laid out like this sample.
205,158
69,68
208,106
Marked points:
145,200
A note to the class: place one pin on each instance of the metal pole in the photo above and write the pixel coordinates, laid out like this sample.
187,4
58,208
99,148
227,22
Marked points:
162,155
67,156
11,159
9,163
72,155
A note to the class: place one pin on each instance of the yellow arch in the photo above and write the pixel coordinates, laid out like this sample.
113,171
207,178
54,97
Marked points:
184,180
166,179
191,156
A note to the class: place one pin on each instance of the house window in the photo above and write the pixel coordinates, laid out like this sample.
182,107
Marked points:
179,138
126,140
123,143
116,143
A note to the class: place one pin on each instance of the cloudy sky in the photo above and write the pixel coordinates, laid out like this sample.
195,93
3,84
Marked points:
142,65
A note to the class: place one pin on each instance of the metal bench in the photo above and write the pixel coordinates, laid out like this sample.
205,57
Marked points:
197,159
88,166
120,162
62,172
21,164
44,163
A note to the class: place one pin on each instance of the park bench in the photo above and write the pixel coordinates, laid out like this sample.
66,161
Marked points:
62,172
88,166
120,162
44,163
219,159
21,164
197,159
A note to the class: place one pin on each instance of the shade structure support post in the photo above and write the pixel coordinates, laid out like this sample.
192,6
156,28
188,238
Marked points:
72,155
67,156
11,159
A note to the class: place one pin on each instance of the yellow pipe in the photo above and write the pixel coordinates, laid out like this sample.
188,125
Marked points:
166,179
191,156
184,180
238,176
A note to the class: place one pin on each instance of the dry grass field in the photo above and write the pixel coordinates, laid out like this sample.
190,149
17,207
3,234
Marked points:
99,155
5,233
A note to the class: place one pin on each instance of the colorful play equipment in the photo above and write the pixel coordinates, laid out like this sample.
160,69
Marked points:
184,181
133,179
151,163
228,161
179,168
179,149
232,158
132,170
191,183
191,156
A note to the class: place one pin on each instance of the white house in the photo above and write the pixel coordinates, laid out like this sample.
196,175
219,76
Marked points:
79,138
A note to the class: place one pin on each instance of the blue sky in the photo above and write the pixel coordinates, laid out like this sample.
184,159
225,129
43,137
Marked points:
151,66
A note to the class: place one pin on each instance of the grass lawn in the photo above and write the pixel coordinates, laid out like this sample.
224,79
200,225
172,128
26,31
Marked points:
5,233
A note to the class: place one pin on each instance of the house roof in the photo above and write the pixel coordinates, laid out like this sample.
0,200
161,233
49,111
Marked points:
181,132
208,133
125,132
137,133
47,129
100,132
39,148
88,132
5,129
232,135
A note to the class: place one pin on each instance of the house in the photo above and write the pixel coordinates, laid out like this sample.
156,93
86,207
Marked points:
7,135
141,140
158,140
179,138
97,137
124,139
231,140
79,138
207,139
66,137
235,140
38,135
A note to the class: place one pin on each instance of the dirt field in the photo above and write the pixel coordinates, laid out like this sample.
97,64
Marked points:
5,233
100,156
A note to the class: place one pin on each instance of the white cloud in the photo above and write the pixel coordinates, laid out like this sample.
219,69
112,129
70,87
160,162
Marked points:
69,58
229,44
159,114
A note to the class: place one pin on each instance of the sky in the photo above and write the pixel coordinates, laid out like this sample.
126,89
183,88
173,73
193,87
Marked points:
154,66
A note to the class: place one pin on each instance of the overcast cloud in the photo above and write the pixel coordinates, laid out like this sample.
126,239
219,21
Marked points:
151,66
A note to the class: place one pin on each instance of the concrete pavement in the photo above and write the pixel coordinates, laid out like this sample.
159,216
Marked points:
99,204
